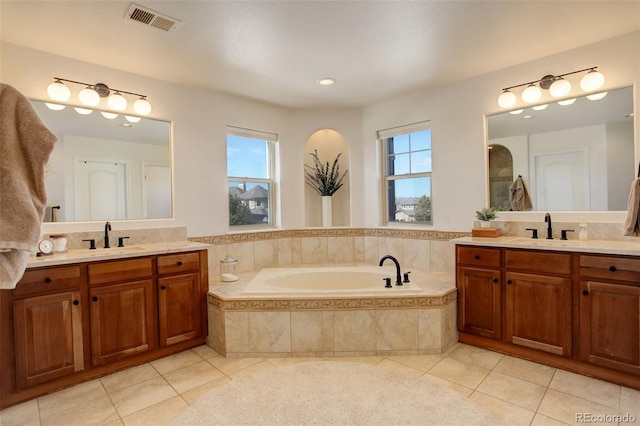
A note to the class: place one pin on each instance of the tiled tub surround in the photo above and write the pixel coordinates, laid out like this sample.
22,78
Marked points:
426,250
336,324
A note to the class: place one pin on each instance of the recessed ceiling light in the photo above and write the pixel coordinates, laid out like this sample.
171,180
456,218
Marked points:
526,117
327,81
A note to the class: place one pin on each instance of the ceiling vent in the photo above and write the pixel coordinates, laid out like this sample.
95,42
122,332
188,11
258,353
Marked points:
151,18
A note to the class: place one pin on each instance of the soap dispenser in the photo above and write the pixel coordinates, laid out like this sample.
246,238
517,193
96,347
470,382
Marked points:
582,233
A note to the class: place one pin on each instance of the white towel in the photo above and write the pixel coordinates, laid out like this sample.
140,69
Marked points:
25,147
632,223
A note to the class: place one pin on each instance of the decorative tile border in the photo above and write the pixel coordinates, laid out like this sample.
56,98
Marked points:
331,304
330,232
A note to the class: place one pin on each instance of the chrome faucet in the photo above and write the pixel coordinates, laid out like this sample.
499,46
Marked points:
398,273
107,228
547,218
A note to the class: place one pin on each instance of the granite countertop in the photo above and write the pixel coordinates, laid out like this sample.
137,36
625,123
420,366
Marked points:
628,248
86,255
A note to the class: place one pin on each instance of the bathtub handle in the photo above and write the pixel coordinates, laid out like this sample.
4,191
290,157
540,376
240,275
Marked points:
406,277
387,281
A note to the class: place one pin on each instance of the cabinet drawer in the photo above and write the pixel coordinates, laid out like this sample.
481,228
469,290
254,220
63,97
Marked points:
176,263
479,256
47,280
538,261
609,267
121,270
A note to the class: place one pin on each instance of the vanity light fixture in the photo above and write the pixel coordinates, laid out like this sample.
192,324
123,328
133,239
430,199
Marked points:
109,115
557,86
540,107
54,107
91,94
83,111
132,119
597,96
566,102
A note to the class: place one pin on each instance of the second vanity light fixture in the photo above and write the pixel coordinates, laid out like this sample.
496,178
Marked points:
558,87
91,94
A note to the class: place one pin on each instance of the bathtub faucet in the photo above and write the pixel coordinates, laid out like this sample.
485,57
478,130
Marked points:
398,273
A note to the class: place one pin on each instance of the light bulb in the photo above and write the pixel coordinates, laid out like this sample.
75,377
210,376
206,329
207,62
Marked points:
109,115
89,97
593,80
597,96
132,119
531,94
142,106
540,107
58,91
507,99
566,102
117,102
517,111
83,111
560,88
55,107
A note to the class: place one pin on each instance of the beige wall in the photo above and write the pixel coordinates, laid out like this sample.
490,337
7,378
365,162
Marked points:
456,112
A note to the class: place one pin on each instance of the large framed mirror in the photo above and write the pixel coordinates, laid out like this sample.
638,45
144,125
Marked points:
105,167
573,157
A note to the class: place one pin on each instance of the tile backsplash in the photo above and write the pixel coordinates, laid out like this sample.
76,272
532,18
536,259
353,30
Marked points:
136,236
426,250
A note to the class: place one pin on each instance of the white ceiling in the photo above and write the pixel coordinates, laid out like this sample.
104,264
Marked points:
275,51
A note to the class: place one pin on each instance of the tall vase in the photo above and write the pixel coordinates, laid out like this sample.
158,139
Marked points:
326,211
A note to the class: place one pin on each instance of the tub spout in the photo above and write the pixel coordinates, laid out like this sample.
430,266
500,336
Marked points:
398,273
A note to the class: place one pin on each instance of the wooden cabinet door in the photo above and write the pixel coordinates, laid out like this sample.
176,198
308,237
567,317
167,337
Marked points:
48,337
179,302
122,320
610,325
479,301
538,312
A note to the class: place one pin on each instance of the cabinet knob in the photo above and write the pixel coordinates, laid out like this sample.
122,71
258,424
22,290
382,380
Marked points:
509,282
95,298
585,292
612,268
179,263
47,280
164,287
495,280
76,302
476,257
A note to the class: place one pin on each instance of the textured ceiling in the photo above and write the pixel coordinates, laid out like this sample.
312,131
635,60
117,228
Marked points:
274,51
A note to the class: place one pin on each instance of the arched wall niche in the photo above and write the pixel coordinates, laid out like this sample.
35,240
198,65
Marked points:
329,143
500,176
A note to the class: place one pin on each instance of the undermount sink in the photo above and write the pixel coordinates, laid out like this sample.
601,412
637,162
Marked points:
113,250
544,242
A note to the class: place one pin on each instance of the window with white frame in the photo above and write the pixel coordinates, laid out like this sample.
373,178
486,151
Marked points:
407,173
250,175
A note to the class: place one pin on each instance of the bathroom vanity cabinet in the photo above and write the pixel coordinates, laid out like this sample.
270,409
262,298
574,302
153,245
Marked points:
610,312
65,324
573,310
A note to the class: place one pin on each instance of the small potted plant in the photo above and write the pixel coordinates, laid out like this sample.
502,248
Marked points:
325,181
485,215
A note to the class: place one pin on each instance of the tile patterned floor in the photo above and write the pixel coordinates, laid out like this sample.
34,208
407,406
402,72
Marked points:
517,392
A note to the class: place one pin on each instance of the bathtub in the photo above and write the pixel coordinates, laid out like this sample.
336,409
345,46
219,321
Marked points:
337,310
336,280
